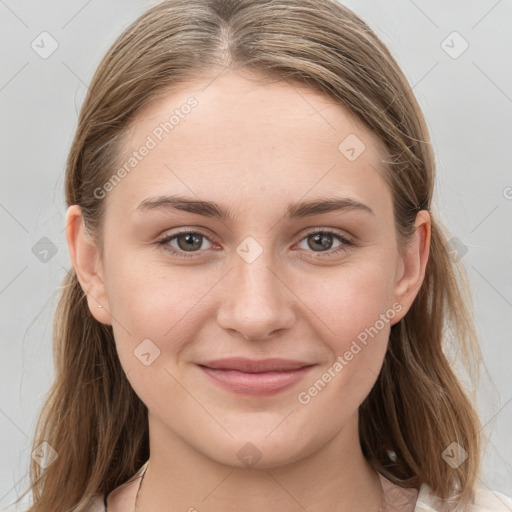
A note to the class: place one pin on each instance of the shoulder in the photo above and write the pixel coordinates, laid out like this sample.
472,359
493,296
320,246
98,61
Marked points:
122,497
485,501
98,505
493,501
95,504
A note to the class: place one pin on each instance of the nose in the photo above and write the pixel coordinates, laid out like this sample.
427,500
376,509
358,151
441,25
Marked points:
257,302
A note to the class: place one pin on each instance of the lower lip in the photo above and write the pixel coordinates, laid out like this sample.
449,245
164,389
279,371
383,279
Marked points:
258,384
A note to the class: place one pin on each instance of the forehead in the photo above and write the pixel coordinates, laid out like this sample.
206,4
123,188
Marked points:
234,137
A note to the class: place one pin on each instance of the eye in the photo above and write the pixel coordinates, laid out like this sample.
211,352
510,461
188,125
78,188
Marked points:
188,243
185,242
323,240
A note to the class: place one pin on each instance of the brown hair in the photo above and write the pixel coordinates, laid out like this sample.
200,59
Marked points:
417,408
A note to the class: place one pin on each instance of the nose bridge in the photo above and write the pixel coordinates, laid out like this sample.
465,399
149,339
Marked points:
256,302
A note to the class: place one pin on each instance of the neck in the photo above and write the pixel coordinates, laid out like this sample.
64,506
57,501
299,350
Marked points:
334,477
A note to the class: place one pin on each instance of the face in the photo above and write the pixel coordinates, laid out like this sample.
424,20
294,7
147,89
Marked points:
244,265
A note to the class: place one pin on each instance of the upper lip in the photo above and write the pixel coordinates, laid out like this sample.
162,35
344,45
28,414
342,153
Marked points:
246,365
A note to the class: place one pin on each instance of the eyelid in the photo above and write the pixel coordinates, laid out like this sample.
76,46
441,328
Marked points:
333,231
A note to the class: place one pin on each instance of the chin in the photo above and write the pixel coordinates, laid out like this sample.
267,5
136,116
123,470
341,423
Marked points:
260,452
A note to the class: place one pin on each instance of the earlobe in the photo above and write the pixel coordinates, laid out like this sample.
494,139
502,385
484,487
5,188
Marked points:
413,264
84,256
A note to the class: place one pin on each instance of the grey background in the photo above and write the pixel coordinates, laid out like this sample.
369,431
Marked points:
467,102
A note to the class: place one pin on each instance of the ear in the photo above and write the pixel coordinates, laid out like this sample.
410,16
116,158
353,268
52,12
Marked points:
411,267
87,263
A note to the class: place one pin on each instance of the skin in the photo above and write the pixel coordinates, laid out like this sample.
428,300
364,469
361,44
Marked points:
253,149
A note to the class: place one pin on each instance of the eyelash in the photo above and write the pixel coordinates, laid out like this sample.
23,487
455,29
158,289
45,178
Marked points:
325,254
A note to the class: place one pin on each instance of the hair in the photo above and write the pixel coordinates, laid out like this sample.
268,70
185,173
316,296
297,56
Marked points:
91,416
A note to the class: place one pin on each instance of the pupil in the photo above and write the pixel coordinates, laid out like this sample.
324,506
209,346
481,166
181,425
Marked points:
323,239
192,242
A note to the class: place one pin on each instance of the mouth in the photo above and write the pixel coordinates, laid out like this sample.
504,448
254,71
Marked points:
255,377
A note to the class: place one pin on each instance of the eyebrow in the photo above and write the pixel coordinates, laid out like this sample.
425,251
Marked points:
297,210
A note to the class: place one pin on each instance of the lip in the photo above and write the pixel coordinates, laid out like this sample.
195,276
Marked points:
255,377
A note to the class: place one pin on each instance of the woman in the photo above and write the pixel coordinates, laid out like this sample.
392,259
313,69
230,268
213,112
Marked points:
260,289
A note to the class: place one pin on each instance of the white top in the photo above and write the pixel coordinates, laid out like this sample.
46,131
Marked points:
422,500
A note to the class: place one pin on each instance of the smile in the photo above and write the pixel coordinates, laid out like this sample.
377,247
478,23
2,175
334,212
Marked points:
252,377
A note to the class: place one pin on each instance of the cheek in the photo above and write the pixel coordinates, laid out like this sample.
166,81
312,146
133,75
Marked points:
349,298
150,301
157,316
354,305
357,350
